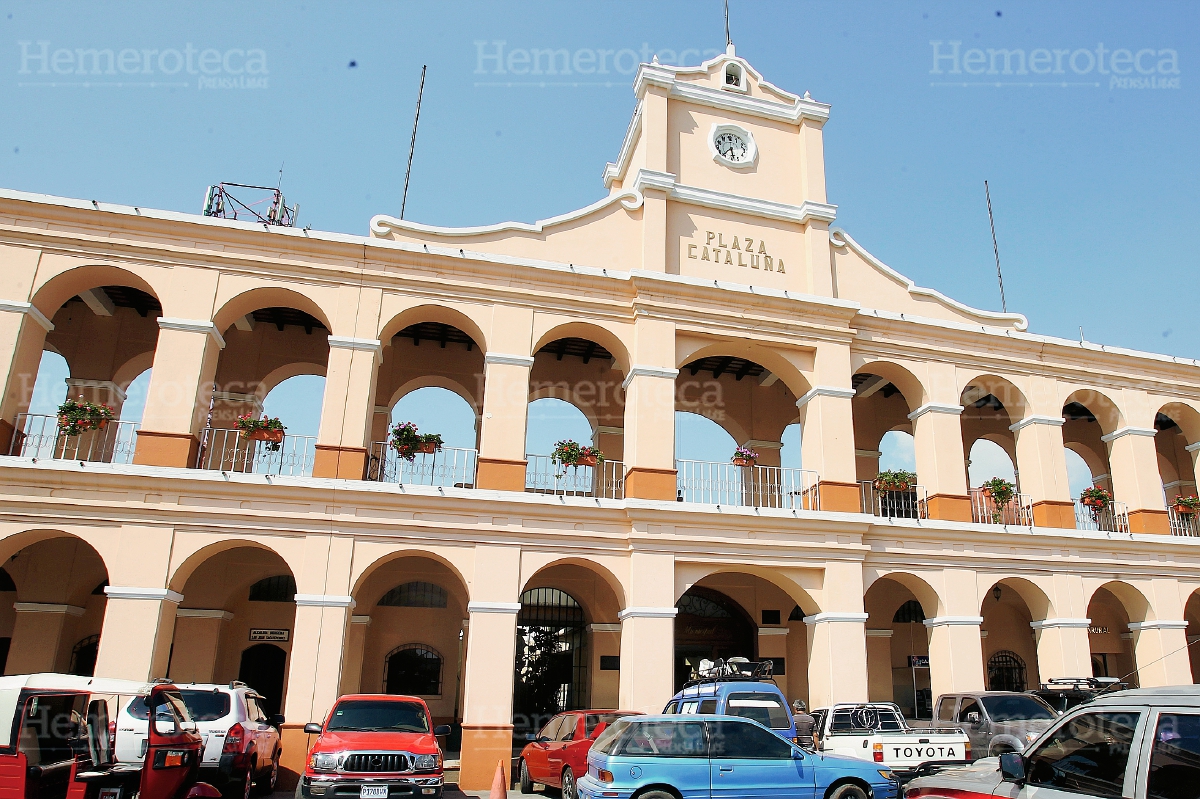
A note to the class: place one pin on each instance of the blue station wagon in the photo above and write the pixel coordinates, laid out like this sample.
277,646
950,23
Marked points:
720,757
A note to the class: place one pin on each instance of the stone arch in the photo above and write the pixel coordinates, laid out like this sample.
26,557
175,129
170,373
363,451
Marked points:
1036,600
437,381
253,299
1137,607
919,587
590,331
434,313
562,391
186,565
127,372
1097,465
535,564
1010,395
1187,416
363,574
770,359
690,574
277,376
911,387
51,295
727,423
1107,412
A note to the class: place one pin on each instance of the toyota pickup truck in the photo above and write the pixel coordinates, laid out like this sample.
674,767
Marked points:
877,731
374,746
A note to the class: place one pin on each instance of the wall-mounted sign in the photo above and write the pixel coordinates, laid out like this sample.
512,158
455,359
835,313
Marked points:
269,635
1098,630
918,661
734,251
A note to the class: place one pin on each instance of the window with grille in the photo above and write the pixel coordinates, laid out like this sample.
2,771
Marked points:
413,669
281,588
1006,672
910,612
415,595
695,605
83,656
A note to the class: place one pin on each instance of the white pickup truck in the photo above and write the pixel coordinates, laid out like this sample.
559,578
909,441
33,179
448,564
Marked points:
877,731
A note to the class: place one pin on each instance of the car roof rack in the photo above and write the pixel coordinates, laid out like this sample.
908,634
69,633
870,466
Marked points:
1080,683
732,670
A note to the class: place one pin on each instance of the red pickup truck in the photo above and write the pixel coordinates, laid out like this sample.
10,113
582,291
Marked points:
374,746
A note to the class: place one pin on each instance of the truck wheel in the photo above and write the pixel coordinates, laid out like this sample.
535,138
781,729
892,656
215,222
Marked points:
526,780
568,784
848,791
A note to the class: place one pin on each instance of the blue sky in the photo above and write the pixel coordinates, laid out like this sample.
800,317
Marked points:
1093,184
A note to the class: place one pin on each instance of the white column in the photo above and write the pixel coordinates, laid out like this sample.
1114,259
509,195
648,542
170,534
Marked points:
1161,645
1042,464
346,408
1063,648
135,641
837,658
955,654
937,434
1133,461
647,657
488,692
502,429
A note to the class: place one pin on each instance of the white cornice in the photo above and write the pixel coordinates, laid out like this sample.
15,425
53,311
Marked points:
45,607
361,619
840,238
827,618
508,360
104,385
954,621
756,444
935,407
192,326
880,633
324,601
1159,624
824,391
1193,447
382,224
615,171
1048,624
773,631
1129,431
648,371
1053,421
648,613
493,607
604,628
30,310
203,613
349,343
152,594
803,213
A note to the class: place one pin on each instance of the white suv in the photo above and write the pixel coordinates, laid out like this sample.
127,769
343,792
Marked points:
241,742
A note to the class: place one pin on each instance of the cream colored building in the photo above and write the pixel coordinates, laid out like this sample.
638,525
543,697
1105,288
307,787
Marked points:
710,279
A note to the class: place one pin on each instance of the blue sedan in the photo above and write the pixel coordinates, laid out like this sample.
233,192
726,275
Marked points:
720,757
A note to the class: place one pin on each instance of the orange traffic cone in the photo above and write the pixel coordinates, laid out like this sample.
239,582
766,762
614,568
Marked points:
499,789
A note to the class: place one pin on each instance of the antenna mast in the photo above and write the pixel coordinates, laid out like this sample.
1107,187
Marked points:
995,247
412,145
728,38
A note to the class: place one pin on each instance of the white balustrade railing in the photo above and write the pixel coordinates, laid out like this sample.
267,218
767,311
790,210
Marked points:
1114,518
910,504
39,436
449,467
544,475
984,509
717,483
1183,523
229,451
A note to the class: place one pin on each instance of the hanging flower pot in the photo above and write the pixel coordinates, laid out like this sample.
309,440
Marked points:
571,453
1186,506
263,434
1095,498
895,480
76,416
264,429
744,456
408,443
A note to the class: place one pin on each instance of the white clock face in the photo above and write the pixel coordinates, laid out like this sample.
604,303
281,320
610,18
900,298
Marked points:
732,147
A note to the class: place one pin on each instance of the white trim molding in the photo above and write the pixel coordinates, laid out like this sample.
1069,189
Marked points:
604,628
648,613
867,453
1050,624
935,407
153,594
360,619
1193,447
829,618
203,613
105,385
191,326
613,171
803,213
1129,431
382,224
755,443
773,631
954,621
44,607
505,359
825,391
1158,624
1028,420
494,607
879,633
351,343
648,371
30,310
324,601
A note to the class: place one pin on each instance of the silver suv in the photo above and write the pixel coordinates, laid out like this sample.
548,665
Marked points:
995,721
241,742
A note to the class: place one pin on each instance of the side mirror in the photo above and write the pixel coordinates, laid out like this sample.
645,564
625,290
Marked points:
601,727
441,729
312,729
277,720
973,718
1012,767
797,754
188,726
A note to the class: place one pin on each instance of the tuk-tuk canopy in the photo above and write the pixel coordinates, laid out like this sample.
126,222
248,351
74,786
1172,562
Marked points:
11,687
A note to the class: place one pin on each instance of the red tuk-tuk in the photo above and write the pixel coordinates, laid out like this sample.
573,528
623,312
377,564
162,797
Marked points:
56,741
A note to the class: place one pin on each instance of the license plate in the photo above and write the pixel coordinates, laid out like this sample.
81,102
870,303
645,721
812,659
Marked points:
373,792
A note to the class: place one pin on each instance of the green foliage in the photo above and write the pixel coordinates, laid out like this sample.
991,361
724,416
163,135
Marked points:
77,416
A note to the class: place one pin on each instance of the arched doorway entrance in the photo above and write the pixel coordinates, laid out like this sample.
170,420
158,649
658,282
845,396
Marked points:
262,666
551,668
413,669
710,625
1006,672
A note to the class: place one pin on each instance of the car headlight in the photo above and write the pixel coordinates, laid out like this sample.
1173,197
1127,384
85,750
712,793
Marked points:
323,762
426,763
887,774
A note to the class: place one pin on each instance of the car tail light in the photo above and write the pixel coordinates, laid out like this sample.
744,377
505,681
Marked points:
967,750
877,753
604,775
233,740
